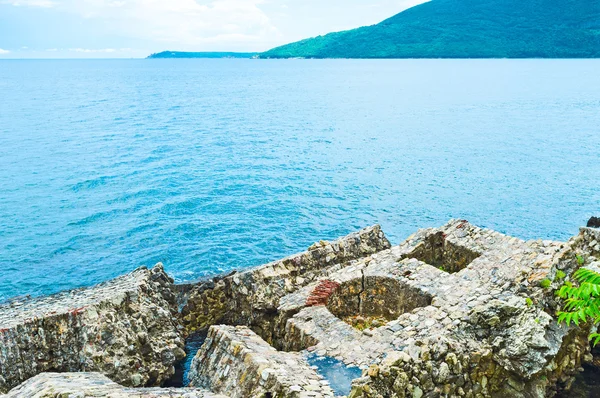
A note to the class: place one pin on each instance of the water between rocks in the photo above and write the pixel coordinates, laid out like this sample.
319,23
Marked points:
336,372
182,368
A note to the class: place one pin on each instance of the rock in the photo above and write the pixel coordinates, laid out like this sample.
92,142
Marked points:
594,222
452,311
443,373
373,371
254,368
80,385
417,393
125,328
456,299
179,353
136,380
252,297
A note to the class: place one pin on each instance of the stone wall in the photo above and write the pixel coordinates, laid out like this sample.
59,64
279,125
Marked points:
235,361
251,297
487,330
125,328
461,311
79,385
442,253
590,241
375,297
449,367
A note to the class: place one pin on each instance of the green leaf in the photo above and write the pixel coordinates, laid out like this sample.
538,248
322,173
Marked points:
581,303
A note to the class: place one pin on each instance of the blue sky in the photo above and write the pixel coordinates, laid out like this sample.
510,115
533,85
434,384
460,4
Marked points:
136,28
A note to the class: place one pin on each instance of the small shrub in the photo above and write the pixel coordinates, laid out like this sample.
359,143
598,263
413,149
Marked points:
582,303
560,275
529,302
546,283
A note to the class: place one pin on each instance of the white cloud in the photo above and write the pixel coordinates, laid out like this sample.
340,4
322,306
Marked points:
91,51
195,25
29,3
2,52
181,24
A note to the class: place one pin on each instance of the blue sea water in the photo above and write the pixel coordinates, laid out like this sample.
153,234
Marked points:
211,165
338,374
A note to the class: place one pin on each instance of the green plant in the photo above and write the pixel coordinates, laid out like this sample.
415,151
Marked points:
529,302
546,283
580,260
582,303
537,320
560,275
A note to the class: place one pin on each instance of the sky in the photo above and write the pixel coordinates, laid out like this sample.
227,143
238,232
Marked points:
137,28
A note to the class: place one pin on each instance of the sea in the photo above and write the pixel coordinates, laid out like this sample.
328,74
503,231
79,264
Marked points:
211,165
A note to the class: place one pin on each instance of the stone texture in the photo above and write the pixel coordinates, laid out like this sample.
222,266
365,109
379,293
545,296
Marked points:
452,311
321,293
251,297
589,240
125,328
234,360
80,385
594,222
475,323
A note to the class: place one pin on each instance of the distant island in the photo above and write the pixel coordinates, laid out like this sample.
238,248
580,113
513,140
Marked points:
183,54
466,29
457,29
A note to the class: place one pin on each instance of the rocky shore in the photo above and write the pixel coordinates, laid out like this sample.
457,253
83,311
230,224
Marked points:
456,311
126,328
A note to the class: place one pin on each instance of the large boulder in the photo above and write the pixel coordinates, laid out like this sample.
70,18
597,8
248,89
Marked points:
126,329
78,385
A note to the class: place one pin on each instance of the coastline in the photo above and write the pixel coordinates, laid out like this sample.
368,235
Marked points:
457,299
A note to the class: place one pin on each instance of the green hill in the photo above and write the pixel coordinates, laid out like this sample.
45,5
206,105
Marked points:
183,54
467,29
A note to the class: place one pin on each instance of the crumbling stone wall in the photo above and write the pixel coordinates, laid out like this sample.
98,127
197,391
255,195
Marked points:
442,253
126,329
375,296
235,361
79,385
590,241
251,298
468,312
448,367
486,332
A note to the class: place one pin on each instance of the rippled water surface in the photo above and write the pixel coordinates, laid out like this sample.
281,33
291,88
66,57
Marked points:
335,372
210,165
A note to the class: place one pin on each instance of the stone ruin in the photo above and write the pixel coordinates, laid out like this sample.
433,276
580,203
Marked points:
456,311
126,329
279,373
79,385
